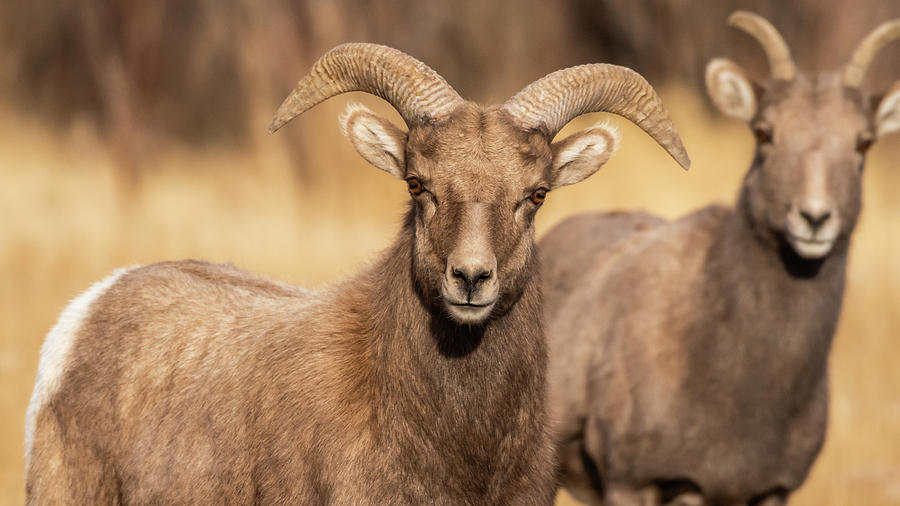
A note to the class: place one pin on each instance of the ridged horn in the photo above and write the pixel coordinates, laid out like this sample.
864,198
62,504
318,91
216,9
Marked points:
554,100
779,55
855,71
416,91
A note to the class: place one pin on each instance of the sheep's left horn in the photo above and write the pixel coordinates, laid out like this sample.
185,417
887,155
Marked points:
855,71
779,55
552,101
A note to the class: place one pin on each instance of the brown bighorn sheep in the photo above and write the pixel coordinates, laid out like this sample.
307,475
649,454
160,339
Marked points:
420,380
688,360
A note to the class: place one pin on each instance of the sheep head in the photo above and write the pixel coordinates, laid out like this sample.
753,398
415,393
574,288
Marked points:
477,174
804,187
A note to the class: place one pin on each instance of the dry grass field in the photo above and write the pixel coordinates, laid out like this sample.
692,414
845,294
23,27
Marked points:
67,219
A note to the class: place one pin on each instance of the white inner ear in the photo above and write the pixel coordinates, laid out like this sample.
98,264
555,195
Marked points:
887,119
375,139
730,90
584,153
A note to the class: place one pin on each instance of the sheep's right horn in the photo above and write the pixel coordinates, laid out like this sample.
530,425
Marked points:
780,61
416,91
855,71
554,100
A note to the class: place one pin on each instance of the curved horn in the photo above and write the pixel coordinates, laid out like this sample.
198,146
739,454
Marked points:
855,71
780,61
417,92
554,100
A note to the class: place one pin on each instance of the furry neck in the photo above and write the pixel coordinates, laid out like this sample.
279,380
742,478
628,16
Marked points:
416,346
772,313
459,389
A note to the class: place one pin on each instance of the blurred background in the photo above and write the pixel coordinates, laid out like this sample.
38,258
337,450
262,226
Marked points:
132,132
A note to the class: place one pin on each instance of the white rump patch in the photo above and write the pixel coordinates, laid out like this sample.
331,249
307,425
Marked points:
55,351
730,90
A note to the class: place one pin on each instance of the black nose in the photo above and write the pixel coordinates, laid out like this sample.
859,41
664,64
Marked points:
471,276
815,220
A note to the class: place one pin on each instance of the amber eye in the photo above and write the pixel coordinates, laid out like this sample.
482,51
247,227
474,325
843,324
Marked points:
415,186
763,134
864,143
538,196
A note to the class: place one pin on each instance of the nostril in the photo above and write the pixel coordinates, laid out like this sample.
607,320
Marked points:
459,274
483,275
815,220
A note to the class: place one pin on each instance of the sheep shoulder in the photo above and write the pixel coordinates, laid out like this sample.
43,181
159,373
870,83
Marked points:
637,257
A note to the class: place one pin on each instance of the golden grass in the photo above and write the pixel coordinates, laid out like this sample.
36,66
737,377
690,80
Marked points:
65,222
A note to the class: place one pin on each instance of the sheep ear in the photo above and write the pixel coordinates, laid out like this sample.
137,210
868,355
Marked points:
579,155
376,139
887,117
730,89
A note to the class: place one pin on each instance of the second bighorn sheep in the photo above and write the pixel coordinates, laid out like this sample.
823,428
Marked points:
420,380
689,359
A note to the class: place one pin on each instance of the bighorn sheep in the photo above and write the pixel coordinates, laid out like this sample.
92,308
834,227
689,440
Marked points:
688,360
420,380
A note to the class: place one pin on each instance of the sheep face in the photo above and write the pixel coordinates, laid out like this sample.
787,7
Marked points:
804,187
805,183
476,181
